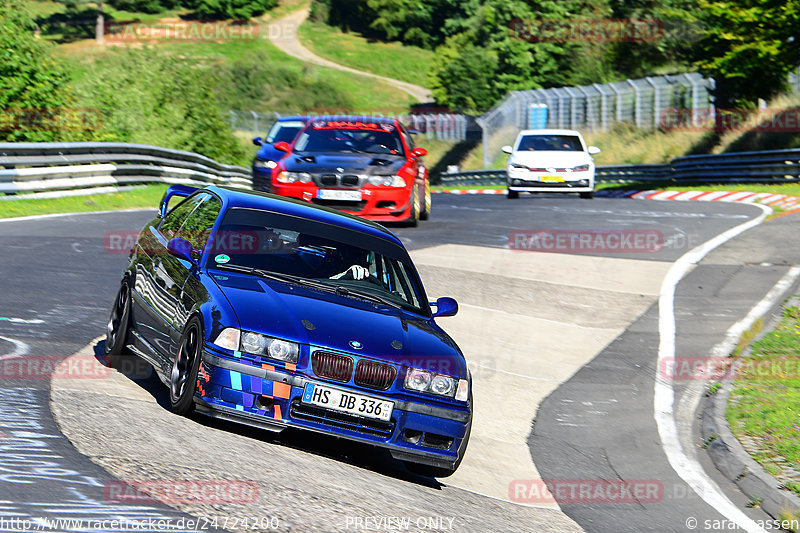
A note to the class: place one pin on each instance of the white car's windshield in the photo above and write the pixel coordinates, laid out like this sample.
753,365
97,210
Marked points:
550,143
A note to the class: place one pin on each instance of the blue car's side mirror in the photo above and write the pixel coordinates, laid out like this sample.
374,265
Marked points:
257,141
172,191
445,307
181,248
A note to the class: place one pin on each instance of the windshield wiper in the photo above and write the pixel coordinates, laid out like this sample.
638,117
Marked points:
345,291
287,278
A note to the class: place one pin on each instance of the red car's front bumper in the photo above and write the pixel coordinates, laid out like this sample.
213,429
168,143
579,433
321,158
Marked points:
382,204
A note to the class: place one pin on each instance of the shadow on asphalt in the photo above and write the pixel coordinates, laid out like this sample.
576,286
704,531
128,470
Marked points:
352,453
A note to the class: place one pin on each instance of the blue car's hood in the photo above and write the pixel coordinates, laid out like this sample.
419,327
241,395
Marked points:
328,320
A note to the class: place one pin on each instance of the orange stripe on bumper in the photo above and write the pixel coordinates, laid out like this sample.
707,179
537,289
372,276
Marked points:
281,390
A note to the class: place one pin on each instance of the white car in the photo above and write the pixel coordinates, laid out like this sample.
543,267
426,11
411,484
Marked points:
550,161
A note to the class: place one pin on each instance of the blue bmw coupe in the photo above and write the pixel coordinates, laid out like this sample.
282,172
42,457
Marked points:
276,313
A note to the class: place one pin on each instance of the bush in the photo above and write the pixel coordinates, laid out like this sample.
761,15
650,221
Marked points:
258,82
34,98
151,97
231,9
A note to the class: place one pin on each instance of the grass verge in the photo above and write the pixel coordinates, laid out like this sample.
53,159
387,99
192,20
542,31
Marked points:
393,60
764,407
144,197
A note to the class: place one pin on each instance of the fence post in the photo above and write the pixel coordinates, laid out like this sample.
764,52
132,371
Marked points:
484,140
656,95
637,112
603,107
255,121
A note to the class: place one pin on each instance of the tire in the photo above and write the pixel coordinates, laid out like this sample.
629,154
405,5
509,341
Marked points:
183,377
119,322
426,213
512,194
413,217
587,195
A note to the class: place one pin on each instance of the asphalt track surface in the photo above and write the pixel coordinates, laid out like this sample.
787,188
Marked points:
60,280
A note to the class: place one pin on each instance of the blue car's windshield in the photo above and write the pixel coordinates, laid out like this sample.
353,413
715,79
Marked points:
334,256
284,131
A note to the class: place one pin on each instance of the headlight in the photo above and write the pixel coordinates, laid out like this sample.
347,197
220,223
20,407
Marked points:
518,166
580,168
418,380
264,163
387,181
228,338
292,177
258,344
424,381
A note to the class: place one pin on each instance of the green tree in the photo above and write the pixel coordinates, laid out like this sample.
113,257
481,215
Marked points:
151,97
34,98
748,46
230,9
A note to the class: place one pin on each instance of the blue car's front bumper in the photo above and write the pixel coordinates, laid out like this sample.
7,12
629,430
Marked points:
270,397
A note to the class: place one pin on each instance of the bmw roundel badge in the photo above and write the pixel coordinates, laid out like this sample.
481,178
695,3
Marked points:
357,345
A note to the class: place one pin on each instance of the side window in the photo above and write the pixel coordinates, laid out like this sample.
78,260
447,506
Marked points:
197,227
408,140
174,219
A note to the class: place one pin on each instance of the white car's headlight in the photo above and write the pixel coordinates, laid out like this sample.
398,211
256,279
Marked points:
580,168
439,384
292,177
258,344
264,163
387,181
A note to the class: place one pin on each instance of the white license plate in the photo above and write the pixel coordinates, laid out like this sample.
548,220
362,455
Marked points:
347,402
338,194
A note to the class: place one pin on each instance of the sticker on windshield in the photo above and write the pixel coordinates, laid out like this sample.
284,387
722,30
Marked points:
222,258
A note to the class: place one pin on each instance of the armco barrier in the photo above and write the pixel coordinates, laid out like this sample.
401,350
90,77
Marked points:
773,166
39,167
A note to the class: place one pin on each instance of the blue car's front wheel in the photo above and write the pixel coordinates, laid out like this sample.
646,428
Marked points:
183,377
117,328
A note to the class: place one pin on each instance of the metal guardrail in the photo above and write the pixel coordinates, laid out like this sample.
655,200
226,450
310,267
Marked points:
773,166
37,167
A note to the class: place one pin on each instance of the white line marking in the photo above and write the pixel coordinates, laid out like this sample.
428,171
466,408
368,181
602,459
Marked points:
664,394
14,320
20,349
53,215
726,346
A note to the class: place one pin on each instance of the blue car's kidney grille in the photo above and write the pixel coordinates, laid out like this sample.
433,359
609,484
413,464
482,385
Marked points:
333,366
374,375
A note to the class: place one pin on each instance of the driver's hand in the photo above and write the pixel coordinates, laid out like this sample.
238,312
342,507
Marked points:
354,272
